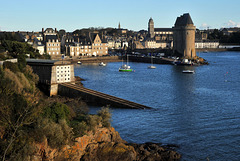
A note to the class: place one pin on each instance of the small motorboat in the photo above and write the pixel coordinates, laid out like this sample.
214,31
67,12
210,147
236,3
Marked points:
102,64
79,62
151,67
188,71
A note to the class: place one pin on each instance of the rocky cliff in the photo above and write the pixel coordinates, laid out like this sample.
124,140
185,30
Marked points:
105,144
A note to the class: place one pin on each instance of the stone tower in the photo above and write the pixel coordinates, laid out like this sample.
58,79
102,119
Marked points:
184,36
151,28
119,26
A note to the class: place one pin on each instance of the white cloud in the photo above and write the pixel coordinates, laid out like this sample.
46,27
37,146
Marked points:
204,26
231,23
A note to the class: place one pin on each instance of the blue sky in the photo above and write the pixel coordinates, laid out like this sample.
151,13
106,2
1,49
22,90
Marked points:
32,15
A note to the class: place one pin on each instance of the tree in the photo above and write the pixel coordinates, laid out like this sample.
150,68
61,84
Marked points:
18,108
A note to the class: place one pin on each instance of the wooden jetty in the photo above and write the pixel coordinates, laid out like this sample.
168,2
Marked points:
89,95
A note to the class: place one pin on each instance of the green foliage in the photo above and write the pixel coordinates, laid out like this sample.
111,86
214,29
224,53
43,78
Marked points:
105,116
56,112
2,56
12,66
18,110
21,61
19,49
79,126
45,56
10,36
57,134
92,122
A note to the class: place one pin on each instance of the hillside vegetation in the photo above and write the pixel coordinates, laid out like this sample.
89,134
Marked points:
27,116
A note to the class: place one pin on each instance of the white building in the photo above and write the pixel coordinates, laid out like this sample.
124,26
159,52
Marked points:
206,44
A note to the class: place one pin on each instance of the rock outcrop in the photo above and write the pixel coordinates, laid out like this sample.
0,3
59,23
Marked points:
104,144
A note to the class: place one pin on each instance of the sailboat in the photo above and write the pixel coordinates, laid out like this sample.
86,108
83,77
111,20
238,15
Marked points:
125,67
151,66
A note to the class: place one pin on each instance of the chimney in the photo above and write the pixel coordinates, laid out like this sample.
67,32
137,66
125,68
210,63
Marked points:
56,30
42,30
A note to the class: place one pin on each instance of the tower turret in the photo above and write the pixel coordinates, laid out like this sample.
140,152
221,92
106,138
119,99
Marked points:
151,28
184,36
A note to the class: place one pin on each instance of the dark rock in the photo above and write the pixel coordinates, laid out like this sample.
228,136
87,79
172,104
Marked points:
153,151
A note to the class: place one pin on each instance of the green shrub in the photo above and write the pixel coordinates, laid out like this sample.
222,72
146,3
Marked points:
105,116
56,112
57,134
79,128
92,122
12,66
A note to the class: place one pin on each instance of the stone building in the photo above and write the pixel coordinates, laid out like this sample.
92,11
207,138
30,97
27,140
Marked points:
52,72
184,36
52,43
158,37
91,46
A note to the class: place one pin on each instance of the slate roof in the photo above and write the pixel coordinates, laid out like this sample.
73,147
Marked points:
46,62
51,37
184,20
163,29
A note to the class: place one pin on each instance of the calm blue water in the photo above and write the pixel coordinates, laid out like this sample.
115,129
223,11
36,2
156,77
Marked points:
199,112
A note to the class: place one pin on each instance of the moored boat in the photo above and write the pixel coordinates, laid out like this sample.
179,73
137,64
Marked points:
125,67
151,66
188,71
102,64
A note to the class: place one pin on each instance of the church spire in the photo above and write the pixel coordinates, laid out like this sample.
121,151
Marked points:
119,26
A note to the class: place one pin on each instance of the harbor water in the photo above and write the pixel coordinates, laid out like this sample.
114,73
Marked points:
198,112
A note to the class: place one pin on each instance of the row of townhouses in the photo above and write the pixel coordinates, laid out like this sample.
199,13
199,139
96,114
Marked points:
97,43
51,42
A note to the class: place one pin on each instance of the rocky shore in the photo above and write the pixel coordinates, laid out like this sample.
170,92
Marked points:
103,144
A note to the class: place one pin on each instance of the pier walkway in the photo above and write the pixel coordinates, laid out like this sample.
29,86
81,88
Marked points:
97,97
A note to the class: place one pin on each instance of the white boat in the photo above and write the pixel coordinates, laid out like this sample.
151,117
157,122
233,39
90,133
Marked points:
151,66
79,62
125,67
188,71
102,64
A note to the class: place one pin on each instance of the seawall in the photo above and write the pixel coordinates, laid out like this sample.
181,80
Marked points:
148,60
